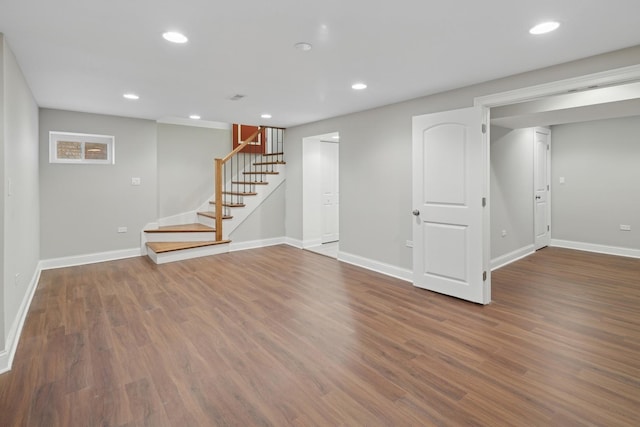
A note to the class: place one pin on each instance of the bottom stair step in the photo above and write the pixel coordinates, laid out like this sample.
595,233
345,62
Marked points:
162,247
182,228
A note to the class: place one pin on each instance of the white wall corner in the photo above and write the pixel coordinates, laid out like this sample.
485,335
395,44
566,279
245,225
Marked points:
378,267
11,344
601,249
512,256
296,243
71,261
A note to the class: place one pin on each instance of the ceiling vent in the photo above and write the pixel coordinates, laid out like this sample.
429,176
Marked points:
237,97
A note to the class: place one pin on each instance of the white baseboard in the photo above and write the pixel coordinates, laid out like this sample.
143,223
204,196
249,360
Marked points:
293,242
254,244
505,259
591,247
71,261
378,267
6,356
311,243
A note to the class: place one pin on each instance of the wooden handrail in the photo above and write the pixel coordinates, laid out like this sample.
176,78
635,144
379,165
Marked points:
239,148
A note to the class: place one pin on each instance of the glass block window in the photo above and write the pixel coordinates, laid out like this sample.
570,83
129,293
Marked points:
81,148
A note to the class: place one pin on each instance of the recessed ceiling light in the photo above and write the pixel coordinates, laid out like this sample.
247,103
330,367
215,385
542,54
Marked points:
335,137
545,27
175,37
194,117
266,116
131,96
303,46
358,86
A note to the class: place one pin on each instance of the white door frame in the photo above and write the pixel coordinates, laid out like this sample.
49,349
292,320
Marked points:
311,189
609,77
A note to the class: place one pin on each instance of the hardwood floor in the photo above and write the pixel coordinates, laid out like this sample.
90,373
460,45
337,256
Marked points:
280,336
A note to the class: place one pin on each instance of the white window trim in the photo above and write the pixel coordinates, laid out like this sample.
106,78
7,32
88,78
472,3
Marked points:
55,136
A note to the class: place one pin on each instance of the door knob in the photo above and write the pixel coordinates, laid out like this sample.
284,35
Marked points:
416,212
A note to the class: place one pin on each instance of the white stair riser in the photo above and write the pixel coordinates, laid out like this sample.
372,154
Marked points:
184,254
200,236
205,220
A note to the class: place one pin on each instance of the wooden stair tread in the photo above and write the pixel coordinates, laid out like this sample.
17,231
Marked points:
250,182
270,163
162,247
210,214
272,154
228,205
261,173
237,193
182,228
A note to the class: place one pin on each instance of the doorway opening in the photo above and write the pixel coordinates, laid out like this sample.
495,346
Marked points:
321,194
550,98
517,122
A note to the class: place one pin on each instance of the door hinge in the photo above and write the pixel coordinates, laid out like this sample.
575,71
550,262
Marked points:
484,276
484,202
484,128
548,147
548,228
547,187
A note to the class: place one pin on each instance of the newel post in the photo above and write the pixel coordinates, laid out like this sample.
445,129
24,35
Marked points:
218,192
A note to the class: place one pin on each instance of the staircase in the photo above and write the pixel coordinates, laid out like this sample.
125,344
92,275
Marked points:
243,180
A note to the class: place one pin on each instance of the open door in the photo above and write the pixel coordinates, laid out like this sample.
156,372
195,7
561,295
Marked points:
329,153
542,209
450,157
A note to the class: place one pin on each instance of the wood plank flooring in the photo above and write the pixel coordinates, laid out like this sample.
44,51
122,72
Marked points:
283,337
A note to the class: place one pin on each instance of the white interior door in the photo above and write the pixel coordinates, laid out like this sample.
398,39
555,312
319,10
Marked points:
542,228
450,163
330,192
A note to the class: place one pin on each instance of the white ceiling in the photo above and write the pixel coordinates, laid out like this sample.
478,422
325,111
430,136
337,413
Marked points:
83,55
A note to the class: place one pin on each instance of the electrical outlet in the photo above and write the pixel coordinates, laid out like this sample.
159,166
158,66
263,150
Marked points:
409,243
624,227
504,233
122,229
135,180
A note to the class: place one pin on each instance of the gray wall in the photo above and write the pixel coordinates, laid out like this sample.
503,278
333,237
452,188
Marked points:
375,160
186,167
20,190
83,205
511,190
600,162
4,283
266,222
